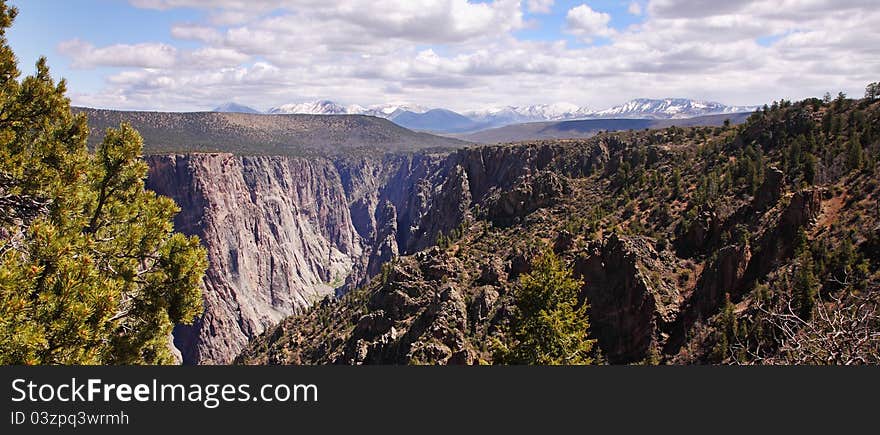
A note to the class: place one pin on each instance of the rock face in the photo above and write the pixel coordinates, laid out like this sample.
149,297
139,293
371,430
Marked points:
276,236
530,194
629,309
771,189
283,232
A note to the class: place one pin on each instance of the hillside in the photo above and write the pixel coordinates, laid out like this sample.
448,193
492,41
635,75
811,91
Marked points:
753,244
589,127
241,133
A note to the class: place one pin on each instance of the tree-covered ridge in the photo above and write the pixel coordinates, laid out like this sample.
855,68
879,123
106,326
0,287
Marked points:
91,271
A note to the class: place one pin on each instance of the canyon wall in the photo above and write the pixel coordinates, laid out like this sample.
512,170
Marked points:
278,238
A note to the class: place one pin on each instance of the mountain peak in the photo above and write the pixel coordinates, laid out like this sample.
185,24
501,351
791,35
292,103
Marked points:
668,108
317,107
232,107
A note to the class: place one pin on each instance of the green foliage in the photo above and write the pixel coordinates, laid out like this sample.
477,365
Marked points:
806,286
550,327
749,169
99,277
872,91
726,330
854,153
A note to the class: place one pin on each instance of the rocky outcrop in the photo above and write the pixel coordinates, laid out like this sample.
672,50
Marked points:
723,275
630,305
699,234
531,193
415,319
734,269
776,244
771,189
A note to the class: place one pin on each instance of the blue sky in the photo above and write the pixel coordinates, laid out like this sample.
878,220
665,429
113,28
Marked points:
194,54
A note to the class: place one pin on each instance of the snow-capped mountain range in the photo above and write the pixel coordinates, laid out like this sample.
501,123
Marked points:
447,121
538,112
669,108
327,107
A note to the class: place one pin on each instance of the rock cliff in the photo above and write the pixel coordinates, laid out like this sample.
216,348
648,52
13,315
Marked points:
278,234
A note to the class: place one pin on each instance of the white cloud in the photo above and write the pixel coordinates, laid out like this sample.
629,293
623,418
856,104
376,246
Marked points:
634,8
216,57
540,6
584,21
463,55
196,33
146,55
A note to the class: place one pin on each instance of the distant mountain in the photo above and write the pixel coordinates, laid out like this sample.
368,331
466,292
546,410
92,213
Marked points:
589,127
392,111
327,107
669,108
540,112
438,120
320,107
249,134
235,108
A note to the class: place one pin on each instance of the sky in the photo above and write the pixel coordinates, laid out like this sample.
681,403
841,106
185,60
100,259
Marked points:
182,55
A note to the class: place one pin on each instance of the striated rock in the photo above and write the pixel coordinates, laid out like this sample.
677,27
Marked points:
276,239
483,304
385,248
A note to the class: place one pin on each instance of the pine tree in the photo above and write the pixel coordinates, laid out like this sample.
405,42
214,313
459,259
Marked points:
96,275
726,328
550,326
872,91
854,153
806,286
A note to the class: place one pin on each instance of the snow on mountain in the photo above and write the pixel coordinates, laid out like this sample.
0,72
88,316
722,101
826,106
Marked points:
235,108
391,111
443,120
327,107
319,107
669,108
533,113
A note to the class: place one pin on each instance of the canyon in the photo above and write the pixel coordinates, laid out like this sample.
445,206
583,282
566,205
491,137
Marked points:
284,232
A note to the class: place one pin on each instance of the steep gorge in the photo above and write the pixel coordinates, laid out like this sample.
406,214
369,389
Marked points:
283,232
